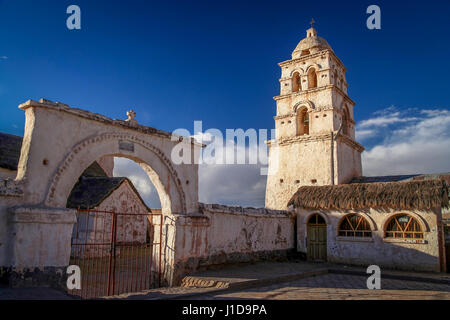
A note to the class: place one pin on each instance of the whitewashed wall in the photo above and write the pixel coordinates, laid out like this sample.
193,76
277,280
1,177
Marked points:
222,235
408,254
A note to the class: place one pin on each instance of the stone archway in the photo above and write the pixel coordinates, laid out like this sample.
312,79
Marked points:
59,143
158,167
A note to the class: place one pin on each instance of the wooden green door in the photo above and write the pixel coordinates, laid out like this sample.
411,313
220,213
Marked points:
317,239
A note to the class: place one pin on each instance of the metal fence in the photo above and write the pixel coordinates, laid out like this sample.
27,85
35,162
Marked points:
116,252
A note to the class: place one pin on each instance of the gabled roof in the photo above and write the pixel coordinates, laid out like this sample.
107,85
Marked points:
420,194
10,147
90,192
94,186
94,170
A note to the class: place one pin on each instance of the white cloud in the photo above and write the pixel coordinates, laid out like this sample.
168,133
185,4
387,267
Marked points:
411,141
386,110
365,134
3,57
434,112
230,184
421,145
233,184
385,120
127,168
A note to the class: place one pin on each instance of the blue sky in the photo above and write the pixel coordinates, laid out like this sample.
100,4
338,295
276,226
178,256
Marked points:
174,62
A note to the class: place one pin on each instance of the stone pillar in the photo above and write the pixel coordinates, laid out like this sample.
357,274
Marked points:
39,244
185,243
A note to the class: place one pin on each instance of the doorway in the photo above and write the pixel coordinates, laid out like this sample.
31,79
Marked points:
317,238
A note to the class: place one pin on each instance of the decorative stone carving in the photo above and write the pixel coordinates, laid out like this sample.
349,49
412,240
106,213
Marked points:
131,115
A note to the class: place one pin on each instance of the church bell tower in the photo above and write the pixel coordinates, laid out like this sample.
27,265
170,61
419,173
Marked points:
315,131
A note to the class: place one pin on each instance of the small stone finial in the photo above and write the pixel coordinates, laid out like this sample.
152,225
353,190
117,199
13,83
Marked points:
131,115
311,32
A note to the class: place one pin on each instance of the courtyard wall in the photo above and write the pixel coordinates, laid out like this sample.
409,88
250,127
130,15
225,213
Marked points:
223,235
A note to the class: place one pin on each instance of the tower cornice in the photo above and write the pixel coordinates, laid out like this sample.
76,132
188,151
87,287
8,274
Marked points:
317,137
303,92
311,56
300,139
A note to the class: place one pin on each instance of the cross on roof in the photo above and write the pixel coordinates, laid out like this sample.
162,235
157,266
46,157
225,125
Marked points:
312,23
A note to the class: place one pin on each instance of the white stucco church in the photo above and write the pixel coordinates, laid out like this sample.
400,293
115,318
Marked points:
318,205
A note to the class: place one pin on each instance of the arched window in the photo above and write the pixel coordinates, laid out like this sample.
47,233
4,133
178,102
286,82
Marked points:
304,53
296,85
302,122
404,226
354,225
316,219
312,78
345,121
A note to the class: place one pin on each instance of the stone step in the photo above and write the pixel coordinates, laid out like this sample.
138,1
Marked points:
194,282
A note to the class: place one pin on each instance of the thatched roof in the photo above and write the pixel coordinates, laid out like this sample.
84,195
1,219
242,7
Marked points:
424,194
410,177
375,179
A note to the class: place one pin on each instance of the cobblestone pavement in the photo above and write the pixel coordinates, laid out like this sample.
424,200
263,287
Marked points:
338,287
280,280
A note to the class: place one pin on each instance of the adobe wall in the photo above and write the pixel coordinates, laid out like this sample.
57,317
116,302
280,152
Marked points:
222,235
407,254
348,161
307,161
11,195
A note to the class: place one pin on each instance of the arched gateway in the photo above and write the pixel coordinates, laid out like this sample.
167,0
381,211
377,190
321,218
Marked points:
59,144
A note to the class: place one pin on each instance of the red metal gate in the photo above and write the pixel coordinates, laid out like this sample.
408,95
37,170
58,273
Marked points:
116,252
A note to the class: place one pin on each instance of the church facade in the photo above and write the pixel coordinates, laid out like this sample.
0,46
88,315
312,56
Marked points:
315,169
